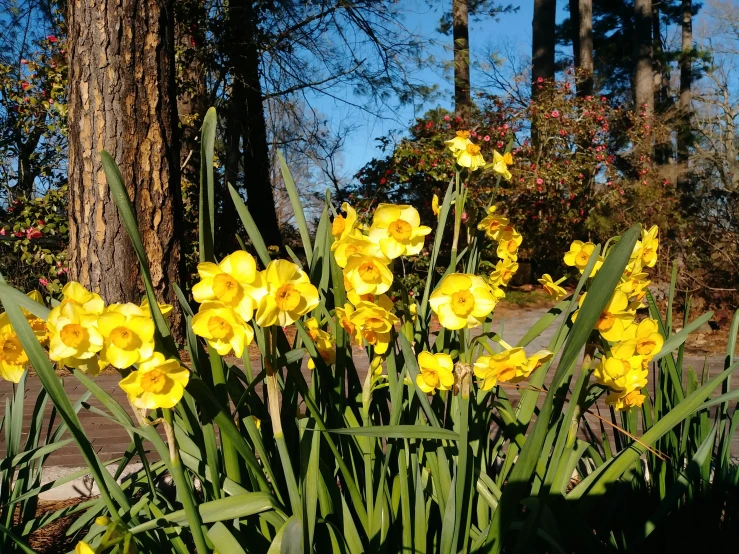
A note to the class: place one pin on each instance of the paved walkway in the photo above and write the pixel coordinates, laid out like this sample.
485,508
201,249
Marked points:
110,440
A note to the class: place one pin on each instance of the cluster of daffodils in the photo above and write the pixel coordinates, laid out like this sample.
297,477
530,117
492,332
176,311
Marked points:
83,333
467,154
234,292
365,255
629,345
499,229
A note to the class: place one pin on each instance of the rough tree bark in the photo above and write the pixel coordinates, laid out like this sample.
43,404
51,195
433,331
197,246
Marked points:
248,109
461,37
686,79
643,75
582,44
543,40
122,99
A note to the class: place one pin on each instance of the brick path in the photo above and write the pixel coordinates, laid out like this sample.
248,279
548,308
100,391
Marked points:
110,440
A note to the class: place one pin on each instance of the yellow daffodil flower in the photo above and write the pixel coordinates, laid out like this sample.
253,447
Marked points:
616,316
74,337
505,269
508,242
13,358
647,247
436,372
397,230
322,340
369,322
459,142
533,363
290,294
634,286
462,300
352,295
500,368
623,369
165,308
128,333
343,226
234,282
552,287
83,548
367,274
579,255
158,383
89,301
648,339
435,206
470,157
501,163
492,223
223,328
37,324
624,401
355,243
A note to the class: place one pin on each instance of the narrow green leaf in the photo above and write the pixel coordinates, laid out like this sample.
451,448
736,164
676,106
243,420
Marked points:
297,205
399,432
251,228
207,201
223,540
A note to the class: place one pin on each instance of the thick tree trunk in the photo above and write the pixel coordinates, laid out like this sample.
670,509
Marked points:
247,106
643,75
122,99
543,41
686,79
461,36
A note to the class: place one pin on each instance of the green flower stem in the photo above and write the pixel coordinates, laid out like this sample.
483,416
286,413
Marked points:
273,399
183,488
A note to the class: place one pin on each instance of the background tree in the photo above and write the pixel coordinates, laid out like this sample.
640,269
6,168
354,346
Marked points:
643,76
543,41
122,99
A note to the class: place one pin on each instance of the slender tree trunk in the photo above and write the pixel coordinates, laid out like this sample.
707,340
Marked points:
686,78
643,75
192,101
247,106
585,46
543,41
461,35
122,99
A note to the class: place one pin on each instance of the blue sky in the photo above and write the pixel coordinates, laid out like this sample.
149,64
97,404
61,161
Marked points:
512,30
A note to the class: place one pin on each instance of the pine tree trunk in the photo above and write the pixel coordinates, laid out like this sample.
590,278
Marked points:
461,35
247,106
585,47
122,99
543,41
686,78
643,75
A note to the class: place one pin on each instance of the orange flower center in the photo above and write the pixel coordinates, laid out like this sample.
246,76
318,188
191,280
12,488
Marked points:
463,134
645,346
11,351
73,334
430,377
226,288
154,381
122,337
400,230
582,258
369,272
218,327
473,149
348,325
462,303
287,297
338,226
606,321
506,373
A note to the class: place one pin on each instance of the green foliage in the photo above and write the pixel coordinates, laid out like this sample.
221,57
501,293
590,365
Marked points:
352,460
33,239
